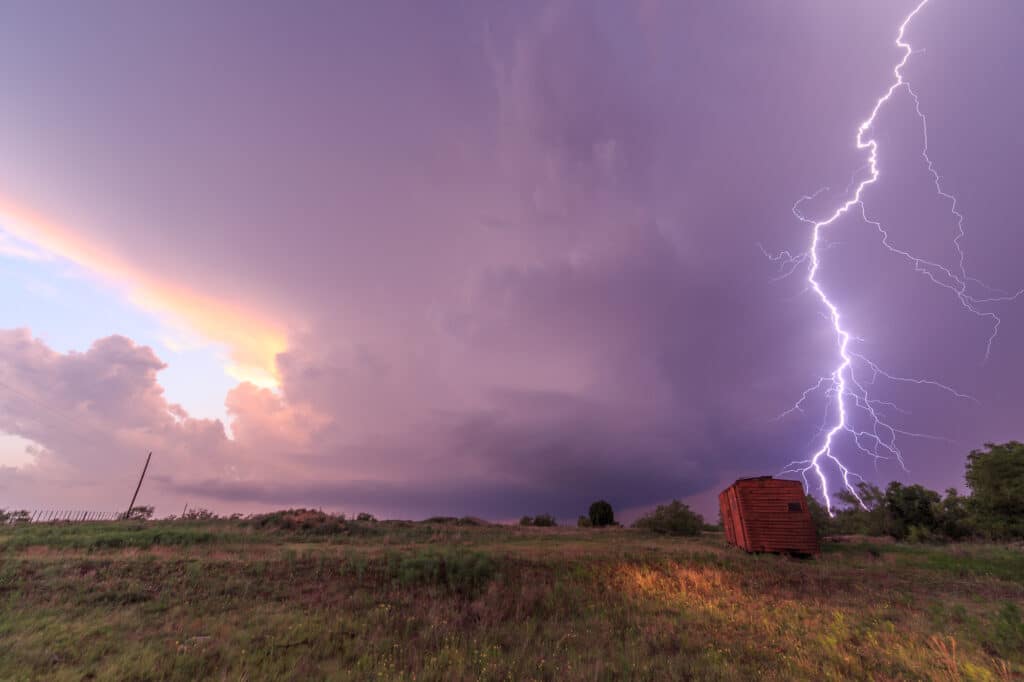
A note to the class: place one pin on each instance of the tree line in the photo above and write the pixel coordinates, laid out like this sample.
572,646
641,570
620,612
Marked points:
994,509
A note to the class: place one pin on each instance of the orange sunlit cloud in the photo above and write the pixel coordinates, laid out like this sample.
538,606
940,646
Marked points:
253,341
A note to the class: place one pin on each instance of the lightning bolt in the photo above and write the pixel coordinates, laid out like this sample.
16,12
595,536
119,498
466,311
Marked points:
848,402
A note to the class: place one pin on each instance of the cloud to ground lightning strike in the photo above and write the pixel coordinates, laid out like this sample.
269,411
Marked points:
848,402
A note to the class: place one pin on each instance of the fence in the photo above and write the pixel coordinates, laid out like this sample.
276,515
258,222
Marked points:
45,515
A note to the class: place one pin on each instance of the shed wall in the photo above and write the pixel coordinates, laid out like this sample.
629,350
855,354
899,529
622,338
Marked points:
768,515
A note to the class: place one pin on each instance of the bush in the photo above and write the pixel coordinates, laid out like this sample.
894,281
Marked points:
306,521
601,514
541,520
12,516
456,521
141,513
198,514
442,519
674,518
584,522
544,520
364,516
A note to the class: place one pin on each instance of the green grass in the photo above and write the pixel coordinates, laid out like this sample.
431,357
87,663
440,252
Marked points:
449,601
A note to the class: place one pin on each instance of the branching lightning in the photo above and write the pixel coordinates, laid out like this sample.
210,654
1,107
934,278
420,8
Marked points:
846,389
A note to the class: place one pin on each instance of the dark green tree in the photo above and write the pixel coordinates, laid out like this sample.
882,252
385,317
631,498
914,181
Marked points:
913,510
819,516
954,516
601,514
865,516
996,479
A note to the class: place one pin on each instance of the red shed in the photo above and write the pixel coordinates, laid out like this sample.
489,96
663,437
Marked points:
766,514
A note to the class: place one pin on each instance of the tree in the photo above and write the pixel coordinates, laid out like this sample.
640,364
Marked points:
864,516
819,516
674,518
601,514
365,516
954,515
526,521
584,522
913,509
996,479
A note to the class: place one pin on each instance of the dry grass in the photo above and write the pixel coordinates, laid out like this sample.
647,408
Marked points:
450,602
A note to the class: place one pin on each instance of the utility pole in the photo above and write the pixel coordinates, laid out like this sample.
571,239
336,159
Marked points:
132,504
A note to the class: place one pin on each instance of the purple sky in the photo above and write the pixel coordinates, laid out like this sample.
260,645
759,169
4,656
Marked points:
490,258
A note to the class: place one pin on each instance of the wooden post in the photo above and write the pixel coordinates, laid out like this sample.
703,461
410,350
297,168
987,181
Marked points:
131,505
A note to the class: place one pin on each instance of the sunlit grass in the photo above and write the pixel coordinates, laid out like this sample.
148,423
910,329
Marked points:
221,599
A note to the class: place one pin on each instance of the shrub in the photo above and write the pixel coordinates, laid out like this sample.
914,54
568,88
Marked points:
544,520
601,514
12,516
141,513
526,521
456,521
364,516
199,514
442,519
584,522
307,521
674,518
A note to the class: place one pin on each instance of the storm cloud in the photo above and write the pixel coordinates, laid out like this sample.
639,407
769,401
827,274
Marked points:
514,251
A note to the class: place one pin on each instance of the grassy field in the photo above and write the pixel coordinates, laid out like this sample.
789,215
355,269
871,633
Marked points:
231,600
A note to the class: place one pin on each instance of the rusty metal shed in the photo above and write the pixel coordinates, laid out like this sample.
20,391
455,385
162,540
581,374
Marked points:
766,514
